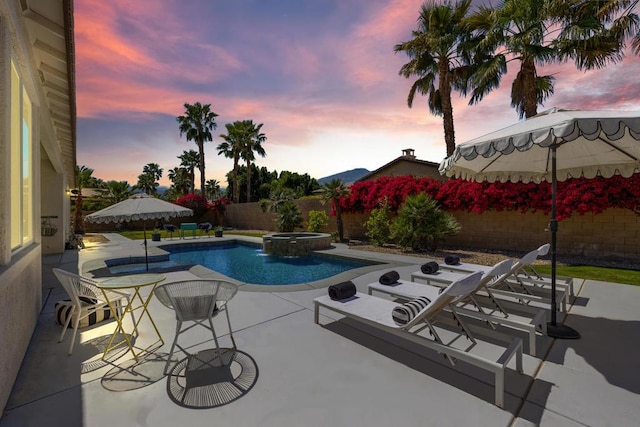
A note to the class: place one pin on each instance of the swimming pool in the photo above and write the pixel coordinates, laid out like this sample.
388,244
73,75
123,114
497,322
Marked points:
247,263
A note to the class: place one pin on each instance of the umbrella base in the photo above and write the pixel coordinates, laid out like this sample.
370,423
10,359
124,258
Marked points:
561,331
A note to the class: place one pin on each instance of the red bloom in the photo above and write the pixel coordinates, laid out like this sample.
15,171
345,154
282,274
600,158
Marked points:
578,195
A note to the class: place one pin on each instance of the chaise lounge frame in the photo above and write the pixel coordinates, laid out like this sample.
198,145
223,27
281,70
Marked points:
496,367
406,290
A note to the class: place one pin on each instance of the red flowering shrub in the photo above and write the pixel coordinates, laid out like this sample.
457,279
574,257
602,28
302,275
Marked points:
195,202
219,204
578,195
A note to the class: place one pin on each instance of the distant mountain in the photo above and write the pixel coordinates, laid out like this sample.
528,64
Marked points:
346,177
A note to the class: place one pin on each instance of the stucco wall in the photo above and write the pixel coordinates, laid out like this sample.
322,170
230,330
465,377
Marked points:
20,301
613,234
21,268
52,205
250,215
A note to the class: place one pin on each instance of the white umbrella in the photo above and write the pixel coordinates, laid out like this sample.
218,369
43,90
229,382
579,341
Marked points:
554,145
139,207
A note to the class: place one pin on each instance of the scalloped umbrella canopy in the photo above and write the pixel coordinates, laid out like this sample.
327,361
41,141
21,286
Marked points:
554,145
587,143
139,207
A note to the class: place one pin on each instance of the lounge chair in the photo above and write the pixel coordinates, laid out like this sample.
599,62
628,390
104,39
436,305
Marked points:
513,287
408,290
528,274
378,313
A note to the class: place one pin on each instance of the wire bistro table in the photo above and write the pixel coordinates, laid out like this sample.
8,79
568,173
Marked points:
135,282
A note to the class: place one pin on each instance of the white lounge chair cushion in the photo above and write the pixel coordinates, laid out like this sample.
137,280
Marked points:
404,313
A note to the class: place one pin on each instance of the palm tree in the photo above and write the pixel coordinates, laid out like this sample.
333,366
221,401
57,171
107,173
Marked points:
252,144
154,170
118,191
197,124
437,55
594,33
231,149
190,160
147,181
83,180
535,33
180,180
147,184
332,192
212,188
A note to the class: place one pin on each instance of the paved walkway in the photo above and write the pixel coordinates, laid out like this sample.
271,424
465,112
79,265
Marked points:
340,374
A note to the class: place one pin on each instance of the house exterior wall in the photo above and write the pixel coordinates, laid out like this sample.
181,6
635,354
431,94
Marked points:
21,265
402,167
54,204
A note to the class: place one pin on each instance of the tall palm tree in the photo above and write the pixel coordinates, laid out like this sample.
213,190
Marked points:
438,56
83,180
231,148
197,124
190,160
594,33
252,145
332,192
539,32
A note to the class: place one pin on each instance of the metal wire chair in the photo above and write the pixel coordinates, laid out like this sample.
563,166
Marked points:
78,287
196,301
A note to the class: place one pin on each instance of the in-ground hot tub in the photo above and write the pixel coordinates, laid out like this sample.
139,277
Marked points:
295,244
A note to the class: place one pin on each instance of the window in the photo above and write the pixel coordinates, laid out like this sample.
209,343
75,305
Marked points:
21,164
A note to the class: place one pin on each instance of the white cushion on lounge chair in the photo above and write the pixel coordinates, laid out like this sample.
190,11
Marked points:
404,313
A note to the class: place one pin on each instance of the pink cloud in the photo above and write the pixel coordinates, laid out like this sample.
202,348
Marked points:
126,76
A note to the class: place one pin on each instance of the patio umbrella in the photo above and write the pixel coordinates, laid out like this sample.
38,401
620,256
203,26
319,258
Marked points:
139,207
551,146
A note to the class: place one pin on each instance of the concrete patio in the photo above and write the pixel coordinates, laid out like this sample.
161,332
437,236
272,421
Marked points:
339,374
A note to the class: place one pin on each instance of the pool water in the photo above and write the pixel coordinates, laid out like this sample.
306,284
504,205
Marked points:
247,263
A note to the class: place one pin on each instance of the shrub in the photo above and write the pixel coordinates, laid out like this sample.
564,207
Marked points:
421,224
288,217
378,224
218,205
318,221
195,202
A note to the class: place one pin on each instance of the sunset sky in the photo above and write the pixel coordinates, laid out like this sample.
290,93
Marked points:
321,75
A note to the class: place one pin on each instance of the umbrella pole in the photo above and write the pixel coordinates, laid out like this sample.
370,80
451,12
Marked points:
146,256
556,330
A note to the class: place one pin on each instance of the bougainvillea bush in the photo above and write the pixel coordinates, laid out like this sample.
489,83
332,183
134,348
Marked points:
218,205
195,202
577,195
